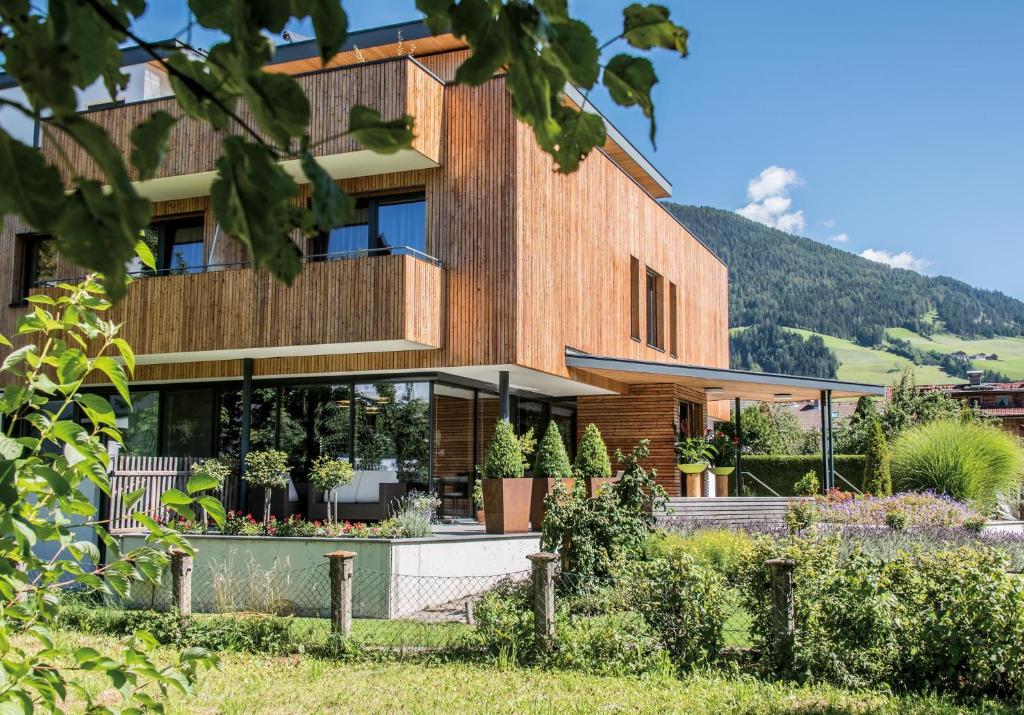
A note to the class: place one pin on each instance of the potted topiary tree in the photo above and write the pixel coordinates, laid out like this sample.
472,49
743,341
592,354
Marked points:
695,456
326,475
478,499
592,462
550,465
267,469
506,493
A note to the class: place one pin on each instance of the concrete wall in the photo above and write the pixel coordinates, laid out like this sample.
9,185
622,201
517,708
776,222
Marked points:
393,578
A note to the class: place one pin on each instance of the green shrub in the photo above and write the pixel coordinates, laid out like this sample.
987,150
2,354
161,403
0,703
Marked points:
614,644
208,474
808,485
782,472
504,621
801,515
722,550
969,461
682,601
592,455
552,461
504,458
877,474
328,473
896,520
267,469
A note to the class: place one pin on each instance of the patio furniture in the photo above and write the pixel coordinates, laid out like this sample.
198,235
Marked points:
453,491
371,496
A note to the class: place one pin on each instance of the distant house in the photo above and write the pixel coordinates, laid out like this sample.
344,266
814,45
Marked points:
960,355
993,356
979,356
1003,400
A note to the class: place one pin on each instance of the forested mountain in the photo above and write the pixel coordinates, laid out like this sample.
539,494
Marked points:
768,348
782,279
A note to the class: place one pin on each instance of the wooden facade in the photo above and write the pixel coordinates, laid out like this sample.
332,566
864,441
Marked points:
530,263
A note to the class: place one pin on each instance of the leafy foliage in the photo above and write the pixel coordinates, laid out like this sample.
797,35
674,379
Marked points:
327,474
552,460
808,485
877,475
592,454
782,279
766,347
504,458
53,445
968,461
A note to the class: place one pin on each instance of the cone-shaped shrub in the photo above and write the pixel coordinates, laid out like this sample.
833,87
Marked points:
592,455
504,456
552,460
877,477
969,461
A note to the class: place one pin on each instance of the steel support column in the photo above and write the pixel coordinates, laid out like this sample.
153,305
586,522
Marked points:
831,444
824,443
503,398
243,487
739,449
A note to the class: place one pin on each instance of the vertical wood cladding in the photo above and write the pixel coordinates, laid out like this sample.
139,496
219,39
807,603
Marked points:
647,411
575,235
453,436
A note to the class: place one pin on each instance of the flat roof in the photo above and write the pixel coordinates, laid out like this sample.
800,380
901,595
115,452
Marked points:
720,383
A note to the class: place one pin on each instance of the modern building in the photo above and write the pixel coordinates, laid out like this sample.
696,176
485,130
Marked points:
475,281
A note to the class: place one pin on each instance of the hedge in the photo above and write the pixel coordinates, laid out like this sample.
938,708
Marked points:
781,472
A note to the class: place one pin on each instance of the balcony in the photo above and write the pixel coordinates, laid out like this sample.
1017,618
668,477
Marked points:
393,87
348,303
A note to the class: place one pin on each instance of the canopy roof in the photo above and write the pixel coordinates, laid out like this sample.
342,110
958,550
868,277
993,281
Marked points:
720,383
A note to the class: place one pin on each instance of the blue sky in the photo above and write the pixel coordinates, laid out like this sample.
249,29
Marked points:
897,126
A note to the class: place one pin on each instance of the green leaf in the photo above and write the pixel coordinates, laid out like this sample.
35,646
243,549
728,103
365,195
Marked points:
97,409
145,255
251,197
175,497
200,482
214,509
127,354
573,47
330,24
377,135
9,448
647,26
331,206
131,498
629,81
278,104
115,373
199,93
149,143
17,356
579,132
32,188
71,366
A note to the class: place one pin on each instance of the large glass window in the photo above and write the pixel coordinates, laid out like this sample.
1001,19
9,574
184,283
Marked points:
263,421
187,419
392,429
139,424
177,245
314,421
379,223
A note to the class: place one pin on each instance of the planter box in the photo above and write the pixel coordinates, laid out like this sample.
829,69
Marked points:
392,578
541,488
594,484
507,505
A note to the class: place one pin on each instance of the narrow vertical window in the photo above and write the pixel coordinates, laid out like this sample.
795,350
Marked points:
655,311
673,321
634,298
38,264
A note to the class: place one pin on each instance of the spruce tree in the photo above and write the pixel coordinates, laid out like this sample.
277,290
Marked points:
592,456
877,479
552,460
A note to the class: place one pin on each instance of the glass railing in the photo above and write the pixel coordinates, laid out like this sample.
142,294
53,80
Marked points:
211,267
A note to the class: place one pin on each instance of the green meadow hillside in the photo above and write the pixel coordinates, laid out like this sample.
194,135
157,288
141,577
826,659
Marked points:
800,306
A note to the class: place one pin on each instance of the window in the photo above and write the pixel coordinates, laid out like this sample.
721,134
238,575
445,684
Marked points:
673,321
655,318
38,263
186,424
177,245
634,298
379,223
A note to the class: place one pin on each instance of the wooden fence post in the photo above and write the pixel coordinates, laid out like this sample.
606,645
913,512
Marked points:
341,591
543,599
783,607
181,581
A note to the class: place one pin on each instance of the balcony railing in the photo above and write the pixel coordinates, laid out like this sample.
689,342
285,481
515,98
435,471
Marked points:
393,87
361,301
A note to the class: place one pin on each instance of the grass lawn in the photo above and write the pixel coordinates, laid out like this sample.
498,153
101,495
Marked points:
251,685
1009,350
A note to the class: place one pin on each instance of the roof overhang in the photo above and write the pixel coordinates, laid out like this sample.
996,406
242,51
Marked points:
719,383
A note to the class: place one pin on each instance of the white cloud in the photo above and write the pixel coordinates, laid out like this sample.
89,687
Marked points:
829,223
903,259
840,238
769,200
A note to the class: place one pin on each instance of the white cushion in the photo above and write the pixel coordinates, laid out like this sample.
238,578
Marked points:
369,485
346,494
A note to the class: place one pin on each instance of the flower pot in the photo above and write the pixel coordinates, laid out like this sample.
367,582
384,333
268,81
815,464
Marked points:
507,505
479,516
594,484
721,485
542,486
693,474
722,471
